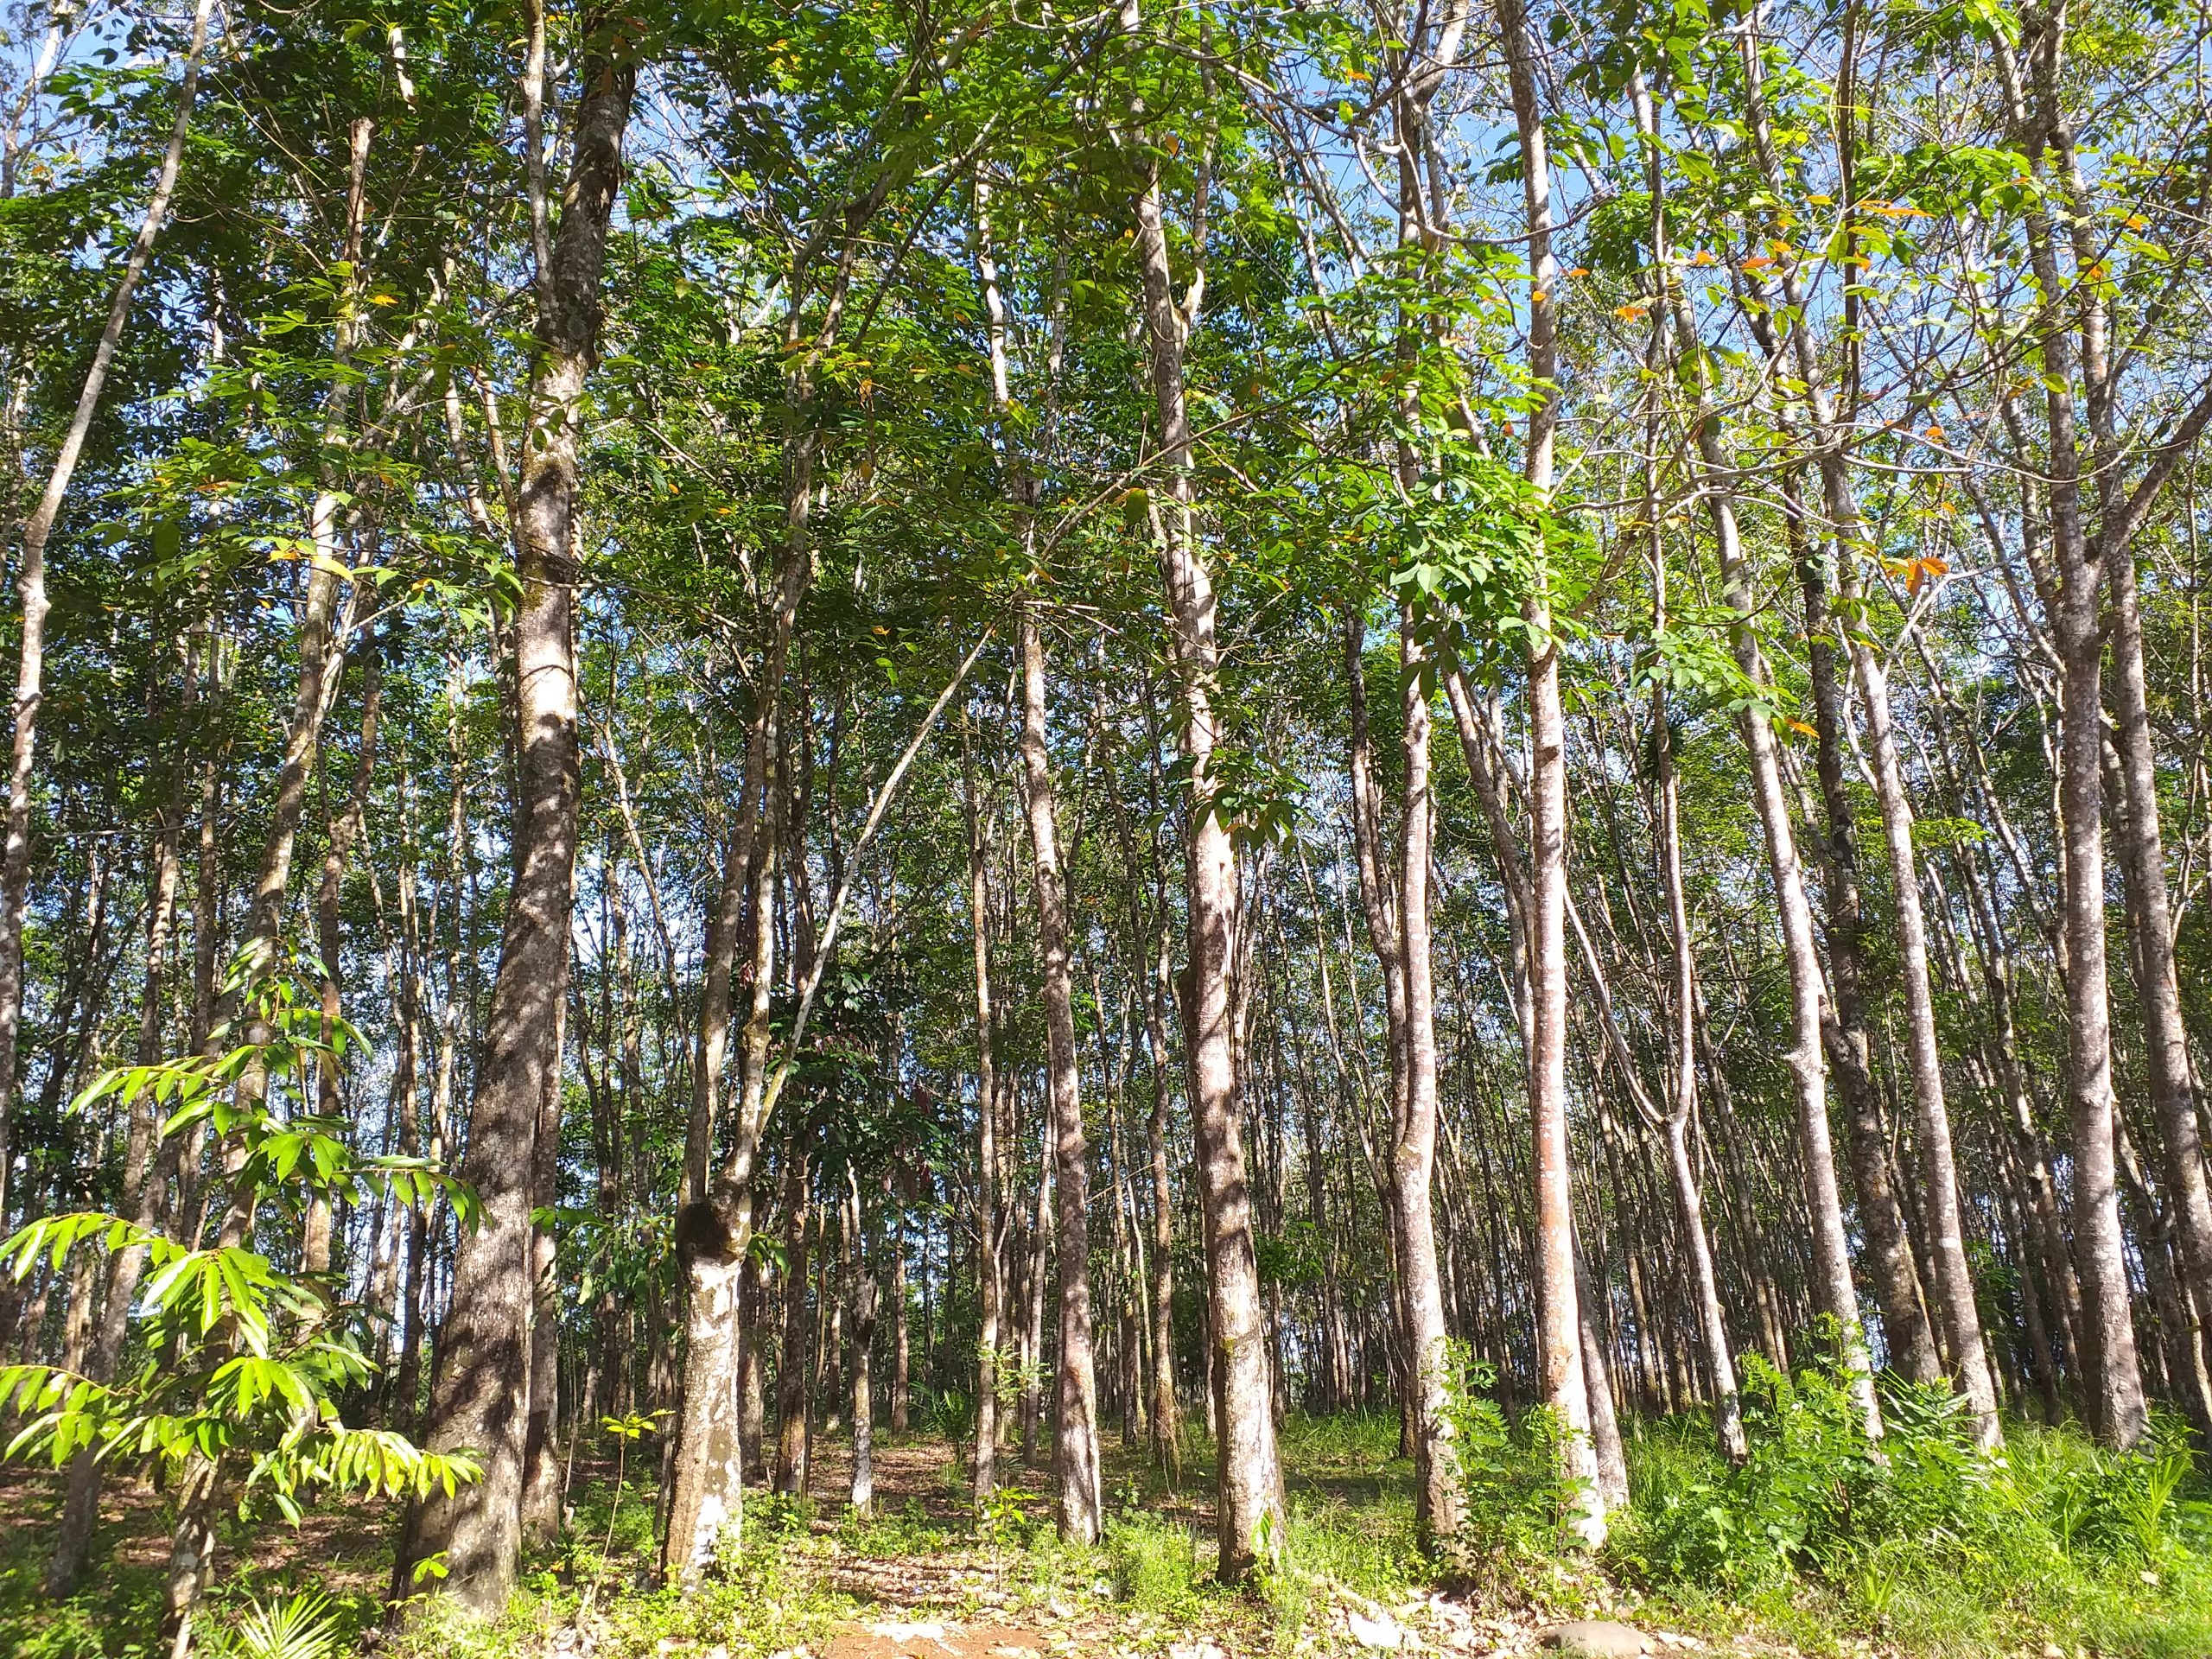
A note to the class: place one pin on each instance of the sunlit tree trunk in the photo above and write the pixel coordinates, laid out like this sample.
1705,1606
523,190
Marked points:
1559,1321
1249,1516
1833,1292
2119,1410
1166,1412
990,1274
1075,1441
140,1202
315,1245
483,1362
862,1365
1413,1152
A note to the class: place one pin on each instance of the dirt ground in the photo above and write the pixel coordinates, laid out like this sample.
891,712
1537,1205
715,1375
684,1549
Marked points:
963,1601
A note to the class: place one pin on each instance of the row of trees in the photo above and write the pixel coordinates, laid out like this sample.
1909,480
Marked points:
811,645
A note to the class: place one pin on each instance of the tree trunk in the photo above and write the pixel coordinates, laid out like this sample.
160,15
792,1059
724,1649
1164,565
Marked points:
1912,1347
1681,1099
141,1202
1249,1515
541,1478
862,1367
1939,1171
790,1363
1075,1440
1413,1153
1558,1322
2142,858
484,1361
1834,1293
989,1273
315,1243
902,1352
2118,1409
1166,1414
1953,1281
715,1218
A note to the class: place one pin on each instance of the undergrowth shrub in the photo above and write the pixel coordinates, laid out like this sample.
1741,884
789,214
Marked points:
1923,1538
1156,1565
1514,1482
1521,1503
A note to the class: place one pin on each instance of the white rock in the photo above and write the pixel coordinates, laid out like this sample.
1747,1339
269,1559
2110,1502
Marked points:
1382,1632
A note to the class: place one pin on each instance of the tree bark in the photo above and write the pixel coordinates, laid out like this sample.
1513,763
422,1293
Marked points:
2142,858
1075,1441
1888,1254
714,1220
862,1366
790,1365
1938,1169
1249,1515
1413,1153
990,1277
2119,1410
315,1243
483,1371
141,1202
1167,1412
1559,1321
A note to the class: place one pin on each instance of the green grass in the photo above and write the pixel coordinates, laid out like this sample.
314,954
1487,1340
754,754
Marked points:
1928,1550
1927,1547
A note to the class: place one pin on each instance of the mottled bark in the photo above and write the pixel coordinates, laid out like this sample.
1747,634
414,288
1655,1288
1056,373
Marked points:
1077,1475
483,1378
1560,1361
1249,1514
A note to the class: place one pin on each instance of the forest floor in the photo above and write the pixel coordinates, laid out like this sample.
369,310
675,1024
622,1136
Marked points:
921,1579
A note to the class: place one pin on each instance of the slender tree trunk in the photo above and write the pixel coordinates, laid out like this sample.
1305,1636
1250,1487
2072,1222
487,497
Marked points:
1888,1253
1607,1453
141,1202
541,1478
1166,1412
2142,853
790,1365
861,1366
1558,1322
484,1364
1249,1515
30,585
989,1272
1043,1227
1681,1099
1413,1153
314,1244
1075,1441
714,1219
1939,1171
2118,1409
1834,1293
901,1352
321,665
752,1372
1953,1281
